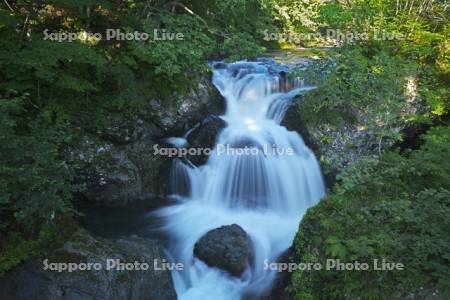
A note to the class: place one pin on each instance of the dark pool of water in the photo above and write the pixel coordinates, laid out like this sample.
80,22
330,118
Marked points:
112,222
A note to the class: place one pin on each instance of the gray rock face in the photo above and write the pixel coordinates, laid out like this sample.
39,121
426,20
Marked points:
30,281
292,121
118,164
129,131
204,136
227,247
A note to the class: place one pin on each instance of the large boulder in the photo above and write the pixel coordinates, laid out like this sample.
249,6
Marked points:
204,135
292,121
183,110
118,165
227,247
30,281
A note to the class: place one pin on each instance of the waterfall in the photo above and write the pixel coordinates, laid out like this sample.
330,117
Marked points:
265,192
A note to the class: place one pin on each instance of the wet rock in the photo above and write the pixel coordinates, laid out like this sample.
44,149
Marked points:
292,121
204,136
227,247
282,280
220,65
30,281
186,110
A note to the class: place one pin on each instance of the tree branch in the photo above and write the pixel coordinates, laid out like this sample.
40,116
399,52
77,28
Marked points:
174,4
9,6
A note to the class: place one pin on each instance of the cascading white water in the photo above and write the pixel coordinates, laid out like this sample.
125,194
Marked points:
266,192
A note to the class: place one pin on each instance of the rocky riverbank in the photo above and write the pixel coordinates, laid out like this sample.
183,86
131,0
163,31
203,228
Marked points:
40,279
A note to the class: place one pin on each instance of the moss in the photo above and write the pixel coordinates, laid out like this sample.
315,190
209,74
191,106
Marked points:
21,245
123,277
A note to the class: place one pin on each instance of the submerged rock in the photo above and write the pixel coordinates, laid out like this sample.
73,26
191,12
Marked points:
227,247
30,281
203,136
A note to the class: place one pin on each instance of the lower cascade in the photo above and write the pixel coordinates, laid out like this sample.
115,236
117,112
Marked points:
259,176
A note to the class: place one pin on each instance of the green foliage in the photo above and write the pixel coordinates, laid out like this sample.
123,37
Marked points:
245,16
375,88
20,248
297,17
425,43
169,61
241,45
21,245
334,15
34,183
361,89
396,209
